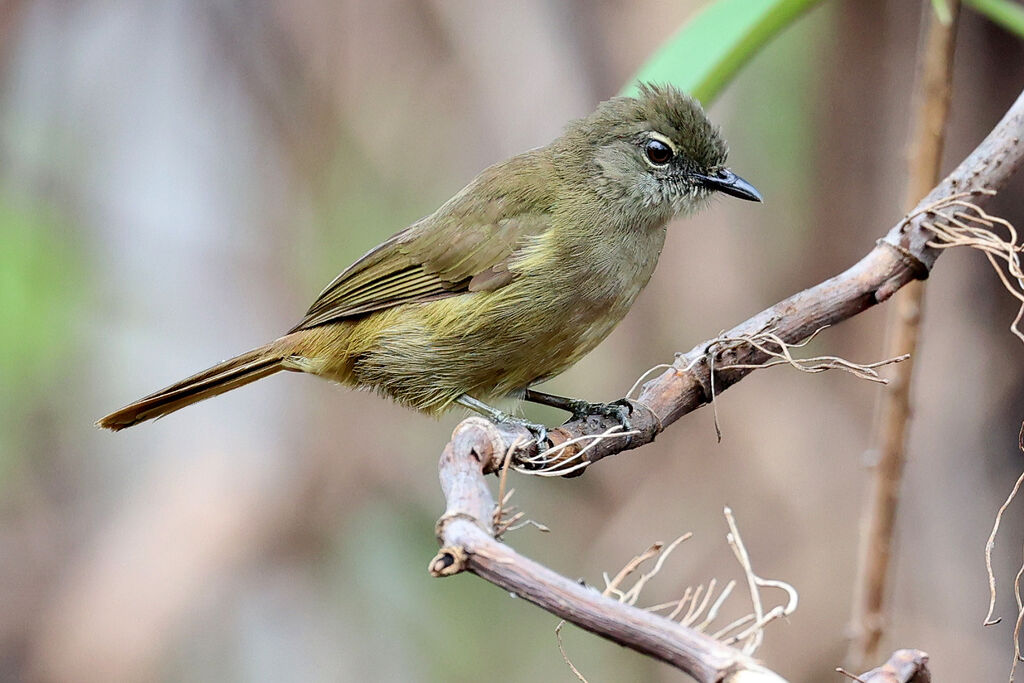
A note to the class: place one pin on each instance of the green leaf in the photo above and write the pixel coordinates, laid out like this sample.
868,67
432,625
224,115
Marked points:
709,49
1006,13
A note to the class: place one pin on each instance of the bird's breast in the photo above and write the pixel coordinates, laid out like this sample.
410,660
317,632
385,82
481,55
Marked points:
585,289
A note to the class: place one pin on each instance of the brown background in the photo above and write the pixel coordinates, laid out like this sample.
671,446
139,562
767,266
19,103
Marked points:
178,180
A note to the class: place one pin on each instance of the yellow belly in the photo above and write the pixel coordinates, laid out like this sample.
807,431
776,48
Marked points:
485,344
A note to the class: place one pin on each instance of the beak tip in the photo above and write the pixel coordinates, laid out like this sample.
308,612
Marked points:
731,184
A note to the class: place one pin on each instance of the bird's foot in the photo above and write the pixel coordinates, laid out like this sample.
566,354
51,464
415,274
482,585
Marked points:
621,410
539,431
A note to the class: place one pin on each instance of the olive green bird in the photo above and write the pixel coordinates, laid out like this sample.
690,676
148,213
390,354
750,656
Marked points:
510,281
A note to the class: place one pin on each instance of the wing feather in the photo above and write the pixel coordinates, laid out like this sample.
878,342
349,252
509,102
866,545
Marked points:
465,246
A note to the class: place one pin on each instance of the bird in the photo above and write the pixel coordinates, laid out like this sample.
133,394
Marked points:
508,283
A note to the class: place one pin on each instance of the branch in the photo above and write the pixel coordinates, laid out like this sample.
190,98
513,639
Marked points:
902,256
905,666
466,533
934,76
466,530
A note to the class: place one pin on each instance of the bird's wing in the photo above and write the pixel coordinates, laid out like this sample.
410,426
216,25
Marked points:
465,247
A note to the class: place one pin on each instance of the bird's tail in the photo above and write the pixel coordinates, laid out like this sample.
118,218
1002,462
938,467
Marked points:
230,374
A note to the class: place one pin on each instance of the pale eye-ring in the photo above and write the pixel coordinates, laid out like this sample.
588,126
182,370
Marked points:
657,152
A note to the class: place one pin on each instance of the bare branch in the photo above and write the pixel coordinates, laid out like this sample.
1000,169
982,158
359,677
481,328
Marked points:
905,254
466,531
933,86
905,666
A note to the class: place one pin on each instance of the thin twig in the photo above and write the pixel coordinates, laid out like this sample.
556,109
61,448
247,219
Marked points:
466,531
701,601
904,666
565,655
933,87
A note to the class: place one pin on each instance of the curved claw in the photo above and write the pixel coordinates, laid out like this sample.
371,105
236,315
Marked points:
539,431
621,410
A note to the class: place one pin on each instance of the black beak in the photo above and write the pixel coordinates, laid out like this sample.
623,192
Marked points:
728,182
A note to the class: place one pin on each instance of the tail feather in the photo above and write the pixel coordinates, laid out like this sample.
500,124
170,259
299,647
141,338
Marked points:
230,374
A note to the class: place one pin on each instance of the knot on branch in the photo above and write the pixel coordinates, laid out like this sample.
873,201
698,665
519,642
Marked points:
910,260
483,439
449,561
449,517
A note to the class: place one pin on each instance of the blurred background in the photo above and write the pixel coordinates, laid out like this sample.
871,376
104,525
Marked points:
177,182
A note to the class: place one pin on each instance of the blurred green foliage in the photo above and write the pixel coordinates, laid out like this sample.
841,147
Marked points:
40,287
705,54
1006,13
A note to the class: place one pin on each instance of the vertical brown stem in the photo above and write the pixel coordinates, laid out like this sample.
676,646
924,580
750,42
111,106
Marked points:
934,72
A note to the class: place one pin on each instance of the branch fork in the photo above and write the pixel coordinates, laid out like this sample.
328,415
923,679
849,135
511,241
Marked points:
465,532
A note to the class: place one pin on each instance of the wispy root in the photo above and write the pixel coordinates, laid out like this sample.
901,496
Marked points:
699,606
772,345
1017,657
989,620
958,222
781,353
549,463
641,378
753,635
509,517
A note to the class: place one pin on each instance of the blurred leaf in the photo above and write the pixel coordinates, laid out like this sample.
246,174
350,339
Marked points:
35,292
941,10
1006,13
38,291
710,48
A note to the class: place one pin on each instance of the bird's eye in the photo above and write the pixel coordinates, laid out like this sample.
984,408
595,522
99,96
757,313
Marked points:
658,153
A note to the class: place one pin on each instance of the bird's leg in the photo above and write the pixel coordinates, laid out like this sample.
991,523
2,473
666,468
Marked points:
620,409
538,430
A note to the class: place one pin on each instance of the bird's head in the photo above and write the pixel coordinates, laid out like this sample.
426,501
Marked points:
656,151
